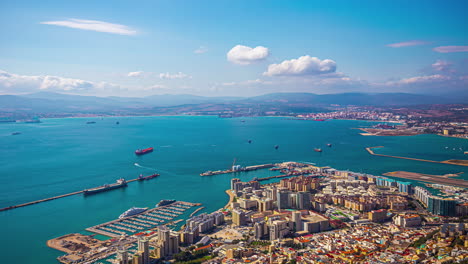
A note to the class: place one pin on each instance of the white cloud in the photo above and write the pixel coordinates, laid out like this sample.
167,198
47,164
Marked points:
442,66
244,55
303,66
156,87
93,25
178,75
135,74
15,83
408,44
201,50
425,79
449,49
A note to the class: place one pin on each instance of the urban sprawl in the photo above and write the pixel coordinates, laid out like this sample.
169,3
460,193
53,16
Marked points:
316,215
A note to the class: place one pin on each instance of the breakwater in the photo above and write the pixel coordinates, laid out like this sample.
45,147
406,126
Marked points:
56,197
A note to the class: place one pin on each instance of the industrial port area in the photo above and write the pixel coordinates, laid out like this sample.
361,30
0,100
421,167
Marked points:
306,214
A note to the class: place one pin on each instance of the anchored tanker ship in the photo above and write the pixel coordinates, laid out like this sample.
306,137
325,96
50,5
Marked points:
143,151
120,183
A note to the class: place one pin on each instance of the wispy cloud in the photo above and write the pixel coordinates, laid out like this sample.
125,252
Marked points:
93,25
449,49
408,44
178,75
135,74
201,50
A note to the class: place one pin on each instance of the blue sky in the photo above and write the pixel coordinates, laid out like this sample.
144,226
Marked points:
242,48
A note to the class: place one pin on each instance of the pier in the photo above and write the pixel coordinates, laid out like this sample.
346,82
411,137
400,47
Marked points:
248,168
452,162
51,198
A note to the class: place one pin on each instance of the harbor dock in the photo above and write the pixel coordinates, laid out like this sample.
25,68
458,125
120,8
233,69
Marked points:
248,168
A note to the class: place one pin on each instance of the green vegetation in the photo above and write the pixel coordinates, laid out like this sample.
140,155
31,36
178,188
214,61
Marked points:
192,257
293,245
260,243
196,261
422,240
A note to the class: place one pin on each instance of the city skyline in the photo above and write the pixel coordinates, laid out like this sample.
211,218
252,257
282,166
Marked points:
233,48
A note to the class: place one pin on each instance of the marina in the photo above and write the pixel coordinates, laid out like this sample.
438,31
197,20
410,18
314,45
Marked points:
146,220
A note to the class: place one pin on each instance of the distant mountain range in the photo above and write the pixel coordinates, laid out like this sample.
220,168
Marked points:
47,102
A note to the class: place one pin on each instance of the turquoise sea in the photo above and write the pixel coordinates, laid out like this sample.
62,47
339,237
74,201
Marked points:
60,156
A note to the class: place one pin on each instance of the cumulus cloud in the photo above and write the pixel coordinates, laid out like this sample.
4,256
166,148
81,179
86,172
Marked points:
244,55
93,25
135,74
15,83
200,50
408,44
450,49
303,66
178,75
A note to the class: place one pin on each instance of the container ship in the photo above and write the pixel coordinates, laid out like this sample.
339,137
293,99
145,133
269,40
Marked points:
119,184
142,178
133,211
143,151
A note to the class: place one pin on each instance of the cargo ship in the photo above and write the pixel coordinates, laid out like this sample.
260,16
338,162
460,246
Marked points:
133,211
142,178
119,184
317,149
16,133
90,122
143,151
165,202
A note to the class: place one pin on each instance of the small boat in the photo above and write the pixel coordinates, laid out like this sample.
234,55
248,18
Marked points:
250,141
242,121
15,133
276,147
117,122
329,144
143,151
317,149
90,122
